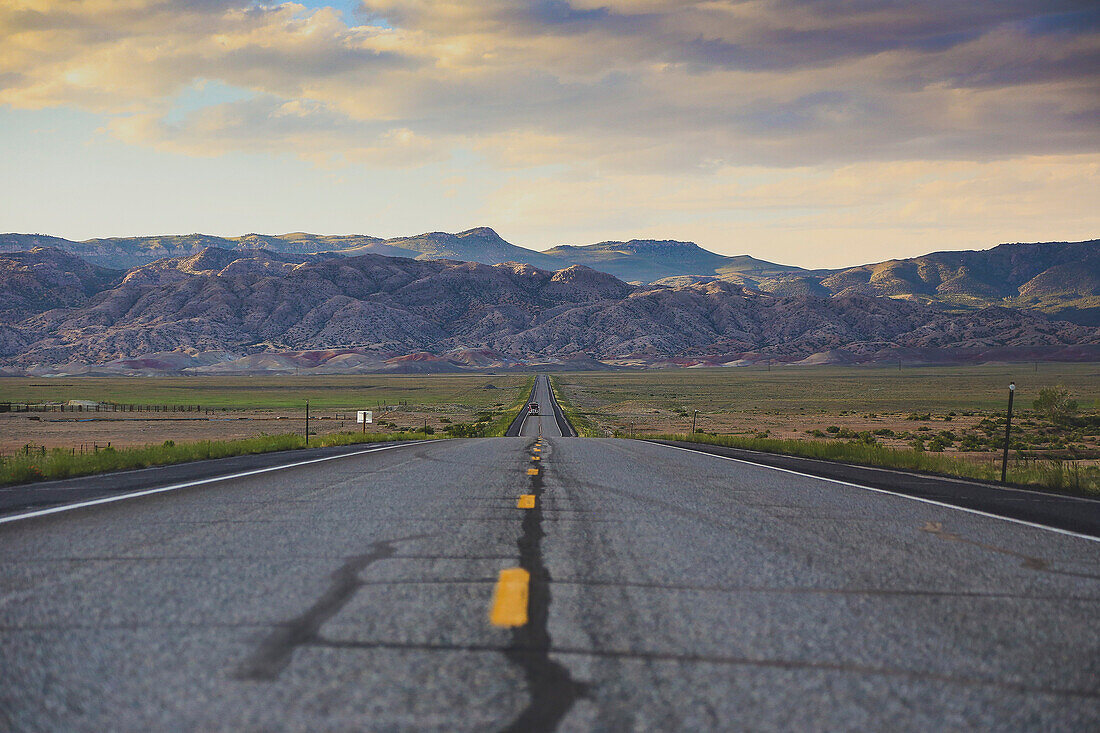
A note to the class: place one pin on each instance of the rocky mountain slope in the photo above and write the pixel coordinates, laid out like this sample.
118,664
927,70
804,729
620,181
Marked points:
44,278
1058,278
636,260
647,260
371,309
475,245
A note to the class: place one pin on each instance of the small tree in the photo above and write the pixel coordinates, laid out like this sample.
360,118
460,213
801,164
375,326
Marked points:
1055,403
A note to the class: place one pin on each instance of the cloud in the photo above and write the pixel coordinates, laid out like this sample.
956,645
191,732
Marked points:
267,124
676,87
810,131
816,215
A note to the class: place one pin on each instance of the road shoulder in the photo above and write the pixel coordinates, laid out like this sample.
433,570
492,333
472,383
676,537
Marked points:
45,494
1069,513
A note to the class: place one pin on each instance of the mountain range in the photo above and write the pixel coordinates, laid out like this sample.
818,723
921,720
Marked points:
260,310
1058,278
634,261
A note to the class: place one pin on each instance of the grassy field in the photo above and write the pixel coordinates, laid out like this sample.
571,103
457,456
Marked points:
795,399
581,422
268,392
59,463
39,463
823,390
238,408
935,418
945,419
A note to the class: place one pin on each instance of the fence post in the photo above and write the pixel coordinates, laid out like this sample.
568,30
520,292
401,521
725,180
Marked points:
1008,431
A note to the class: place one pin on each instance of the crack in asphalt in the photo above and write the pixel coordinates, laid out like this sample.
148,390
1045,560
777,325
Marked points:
550,685
729,661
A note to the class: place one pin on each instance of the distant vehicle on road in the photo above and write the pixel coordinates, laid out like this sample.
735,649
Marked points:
533,408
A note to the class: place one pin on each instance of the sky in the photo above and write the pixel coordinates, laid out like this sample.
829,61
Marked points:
821,133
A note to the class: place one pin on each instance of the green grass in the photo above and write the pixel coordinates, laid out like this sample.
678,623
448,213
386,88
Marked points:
61,463
498,427
1055,475
580,422
360,391
829,390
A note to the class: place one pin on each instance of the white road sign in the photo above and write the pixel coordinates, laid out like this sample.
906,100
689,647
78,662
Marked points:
364,416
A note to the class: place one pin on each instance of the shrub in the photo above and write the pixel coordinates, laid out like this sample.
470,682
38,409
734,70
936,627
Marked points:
1054,403
970,442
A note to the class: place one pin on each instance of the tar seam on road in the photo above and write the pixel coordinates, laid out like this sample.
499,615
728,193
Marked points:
274,653
733,661
188,484
921,499
549,684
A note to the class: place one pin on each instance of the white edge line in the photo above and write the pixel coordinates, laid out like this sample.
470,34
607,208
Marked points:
187,484
921,499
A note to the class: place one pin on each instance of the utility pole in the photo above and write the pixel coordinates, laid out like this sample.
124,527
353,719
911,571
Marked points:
694,415
1008,431
307,423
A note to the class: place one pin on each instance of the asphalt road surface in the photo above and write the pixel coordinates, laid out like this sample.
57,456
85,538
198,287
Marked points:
549,422
649,588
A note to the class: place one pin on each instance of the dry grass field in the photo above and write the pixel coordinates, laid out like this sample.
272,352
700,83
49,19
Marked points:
958,410
232,408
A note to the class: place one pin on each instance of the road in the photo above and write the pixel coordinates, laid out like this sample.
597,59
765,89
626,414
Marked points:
549,422
666,590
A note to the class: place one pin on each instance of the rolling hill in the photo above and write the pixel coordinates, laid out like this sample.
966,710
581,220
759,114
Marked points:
634,261
365,312
1060,279
648,260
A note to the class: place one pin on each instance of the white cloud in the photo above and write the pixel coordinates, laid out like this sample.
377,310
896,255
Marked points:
701,111
652,85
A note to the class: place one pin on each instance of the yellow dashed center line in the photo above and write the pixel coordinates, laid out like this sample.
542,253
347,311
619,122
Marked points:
510,598
535,458
532,472
526,501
